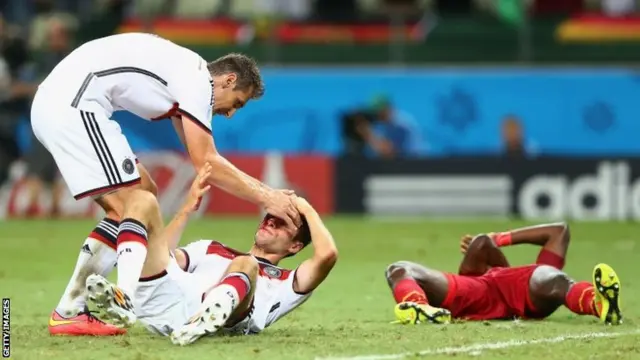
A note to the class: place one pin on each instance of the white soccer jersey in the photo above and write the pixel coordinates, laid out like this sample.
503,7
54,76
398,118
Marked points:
274,295
142,73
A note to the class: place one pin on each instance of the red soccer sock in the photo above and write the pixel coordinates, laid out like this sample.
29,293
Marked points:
239,282
547,257
106,232
580,298
409,290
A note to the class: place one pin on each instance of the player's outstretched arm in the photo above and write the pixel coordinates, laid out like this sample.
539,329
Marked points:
313,271
173,231
553,238
201,149
226,176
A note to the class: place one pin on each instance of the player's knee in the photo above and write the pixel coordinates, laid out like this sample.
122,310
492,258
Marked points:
246,264
140,204
556,285
113,204
113,214
395,272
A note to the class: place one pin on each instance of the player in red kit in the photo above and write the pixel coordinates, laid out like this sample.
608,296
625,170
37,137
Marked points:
487,288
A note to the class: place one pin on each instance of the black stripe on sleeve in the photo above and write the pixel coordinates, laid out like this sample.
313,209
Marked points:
194,119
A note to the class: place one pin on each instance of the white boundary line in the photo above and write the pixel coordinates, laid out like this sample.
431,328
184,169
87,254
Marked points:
486,346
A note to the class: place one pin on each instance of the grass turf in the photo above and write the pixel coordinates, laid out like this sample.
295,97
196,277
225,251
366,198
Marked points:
348,315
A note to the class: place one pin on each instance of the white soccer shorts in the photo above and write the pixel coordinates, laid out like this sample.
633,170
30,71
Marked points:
90,150
166,301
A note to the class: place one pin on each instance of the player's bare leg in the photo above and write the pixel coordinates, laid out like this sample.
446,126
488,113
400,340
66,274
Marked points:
226,303
97,256
246,265
418,291
548,289
138,255
551,288
146,181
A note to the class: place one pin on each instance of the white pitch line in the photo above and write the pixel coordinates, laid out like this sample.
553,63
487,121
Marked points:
485,346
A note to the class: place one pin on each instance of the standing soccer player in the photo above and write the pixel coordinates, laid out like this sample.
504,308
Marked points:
155,79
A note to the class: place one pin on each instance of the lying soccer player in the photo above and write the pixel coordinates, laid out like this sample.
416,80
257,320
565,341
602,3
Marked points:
487,288
205,287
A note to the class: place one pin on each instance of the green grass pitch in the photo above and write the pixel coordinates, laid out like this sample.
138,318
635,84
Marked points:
349,314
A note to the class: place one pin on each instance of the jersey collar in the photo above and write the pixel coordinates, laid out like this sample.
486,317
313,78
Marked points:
261,259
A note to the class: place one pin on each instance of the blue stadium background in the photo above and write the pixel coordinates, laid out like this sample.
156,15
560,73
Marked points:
458,111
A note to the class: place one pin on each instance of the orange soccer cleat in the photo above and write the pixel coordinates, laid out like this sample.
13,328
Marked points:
83,324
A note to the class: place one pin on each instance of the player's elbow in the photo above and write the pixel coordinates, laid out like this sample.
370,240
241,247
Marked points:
482,242
329,257
561,231
215,160
566,233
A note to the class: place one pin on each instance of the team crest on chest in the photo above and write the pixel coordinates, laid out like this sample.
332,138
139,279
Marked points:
128,166
273,272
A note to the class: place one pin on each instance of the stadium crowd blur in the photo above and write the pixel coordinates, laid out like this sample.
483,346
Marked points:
36,34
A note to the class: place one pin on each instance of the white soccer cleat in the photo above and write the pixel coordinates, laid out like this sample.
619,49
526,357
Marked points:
212,315
113,300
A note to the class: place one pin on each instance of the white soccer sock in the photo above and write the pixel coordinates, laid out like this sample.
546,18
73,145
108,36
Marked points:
95,257
132,252
235,285
229,291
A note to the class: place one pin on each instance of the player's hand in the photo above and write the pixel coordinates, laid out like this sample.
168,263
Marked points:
281,204
303,205
464,243
198,189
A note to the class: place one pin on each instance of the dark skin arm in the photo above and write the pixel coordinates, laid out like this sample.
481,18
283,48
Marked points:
480,255
551,237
